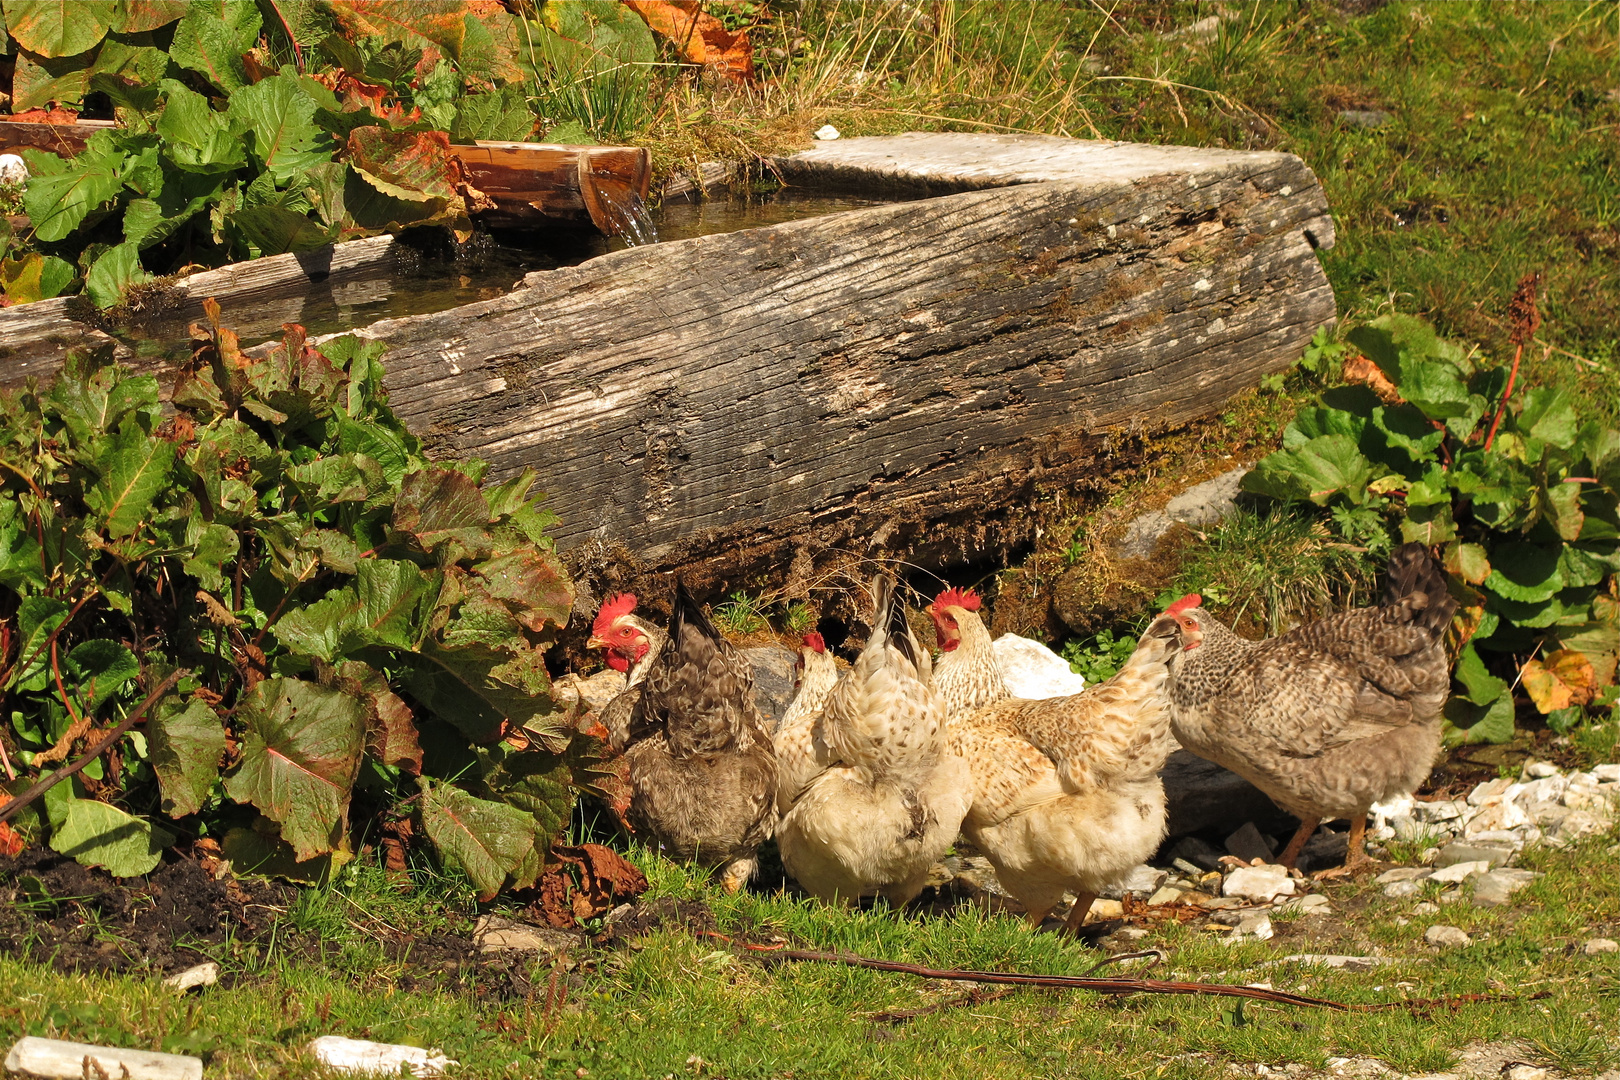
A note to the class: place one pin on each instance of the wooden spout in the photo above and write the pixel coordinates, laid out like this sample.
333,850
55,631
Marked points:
539,184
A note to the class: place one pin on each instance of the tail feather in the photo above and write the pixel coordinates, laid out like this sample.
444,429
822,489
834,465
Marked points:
687,613
890,619
1413,570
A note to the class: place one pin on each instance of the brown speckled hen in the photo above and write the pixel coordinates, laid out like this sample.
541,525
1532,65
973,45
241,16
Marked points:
1332,716
702,772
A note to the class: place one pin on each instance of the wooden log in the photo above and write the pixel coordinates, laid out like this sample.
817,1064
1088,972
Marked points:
35,337
540,184
64,139
853,378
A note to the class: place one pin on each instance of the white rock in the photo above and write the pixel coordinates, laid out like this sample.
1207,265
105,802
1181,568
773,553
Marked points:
494,933
1524,1072
1599,945
32,1056
1496,814
1033,671
13,171
1579,823
1539,769
1400,890
1384,813
1593,800
1344,963
826,133
1494,889
1264,882
1439,810
1458,872
1310,904
1256,927
1143,881
1583,779
1425,908
1402,873
360,1056
1512,838
1607,774
204,974
1446,936
1487,790
1548,789
1166,895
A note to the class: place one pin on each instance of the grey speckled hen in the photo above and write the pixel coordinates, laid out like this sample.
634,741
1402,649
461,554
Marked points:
1332,716
701,768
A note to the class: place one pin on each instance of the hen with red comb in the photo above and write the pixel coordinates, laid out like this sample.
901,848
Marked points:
966,676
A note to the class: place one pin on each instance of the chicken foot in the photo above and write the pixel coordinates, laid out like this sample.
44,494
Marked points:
1078,913
1356,856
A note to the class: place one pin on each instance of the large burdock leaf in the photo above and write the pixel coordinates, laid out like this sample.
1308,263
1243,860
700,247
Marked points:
113,274
1326,466
195,136
533,585
391,735
301,748
187,744
57,201
476,687
1479,685
1559,680
37,81
99,669
59,27
698,37
411,165
138,15
136,469
440,505
1525,572
539,783
212,37
281,116
487,840
100,835
1466,722
439,22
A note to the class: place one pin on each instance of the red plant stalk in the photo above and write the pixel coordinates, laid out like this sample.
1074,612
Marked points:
1526,321
1513,374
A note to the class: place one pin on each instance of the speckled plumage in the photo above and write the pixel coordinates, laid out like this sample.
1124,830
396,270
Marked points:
1066,791
800,753
886,797
1335,715
702,771
966,676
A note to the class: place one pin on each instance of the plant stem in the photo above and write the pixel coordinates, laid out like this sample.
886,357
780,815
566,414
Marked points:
14,807
1513,374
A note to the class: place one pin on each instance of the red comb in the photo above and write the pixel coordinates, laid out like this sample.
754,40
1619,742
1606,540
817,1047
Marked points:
814,642
1191,600
966,599
613,608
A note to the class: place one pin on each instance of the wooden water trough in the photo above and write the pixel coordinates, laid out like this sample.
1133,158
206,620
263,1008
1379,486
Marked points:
856,378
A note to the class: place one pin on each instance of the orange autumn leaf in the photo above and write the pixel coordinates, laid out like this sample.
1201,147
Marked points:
698,37
11,843
1359,369
1559,680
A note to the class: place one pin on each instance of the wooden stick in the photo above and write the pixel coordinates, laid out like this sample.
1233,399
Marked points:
14,807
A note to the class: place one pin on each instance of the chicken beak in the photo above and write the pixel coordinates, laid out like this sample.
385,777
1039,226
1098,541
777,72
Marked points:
596,643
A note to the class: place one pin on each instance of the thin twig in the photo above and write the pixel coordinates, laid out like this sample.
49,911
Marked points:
14,807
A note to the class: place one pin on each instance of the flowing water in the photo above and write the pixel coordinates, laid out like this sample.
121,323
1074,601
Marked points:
417,280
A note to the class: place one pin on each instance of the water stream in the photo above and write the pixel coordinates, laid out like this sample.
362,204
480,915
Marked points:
420,279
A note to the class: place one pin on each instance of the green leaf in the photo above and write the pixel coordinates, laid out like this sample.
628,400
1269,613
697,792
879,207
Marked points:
92,396
130,56
477,686
1470,723
1479,685
59,27
1405,428
1314,423
1563,509
58,203
1562,721
1578,567
197,138
1429,524
140,15
137,469
1549,415
261,850
100,835
1525,572
39,80
533,585
114,273
34,277
538,783
20,567
486,840
411,165
211,38
437,506
274,230
186,747
301,747
1435,388
37,617
1326,466
503,116
281,117
100,668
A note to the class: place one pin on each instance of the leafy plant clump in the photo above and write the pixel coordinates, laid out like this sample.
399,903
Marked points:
1519,492
248,129
359,633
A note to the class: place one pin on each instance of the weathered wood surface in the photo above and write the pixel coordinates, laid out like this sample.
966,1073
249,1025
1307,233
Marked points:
849,377
64,139
35,337
540,184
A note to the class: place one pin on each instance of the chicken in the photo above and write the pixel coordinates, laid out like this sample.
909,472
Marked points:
702,772
888,799
1332,716
1066,791
800,755
966,675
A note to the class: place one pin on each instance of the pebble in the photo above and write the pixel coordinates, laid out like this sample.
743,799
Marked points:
1425,908
1400,890
1102,910
1264,883
1459,872
1494,888
1446,937
204,974
826,133
1607,774
1401,873
1524,1072
1599,945
1255,927
1540,769
33,1056
1345,963
1143,881
1166,895
376,1059
1131,933
13,171
1309,904
1363,118
492,933
1493,855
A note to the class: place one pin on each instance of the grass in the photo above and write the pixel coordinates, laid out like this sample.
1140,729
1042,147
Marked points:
679,1004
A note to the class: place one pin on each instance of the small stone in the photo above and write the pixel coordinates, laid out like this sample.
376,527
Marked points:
1402,873
34,1056
826,133
1428,856
1446,937
1131,933
1248,844
1103,910
1142,881
1493,889
1594,800
1459,872
1363,118
1438,811
1524,1072
1400,890
1549,815
1449,897
492,933
1539,770
13,171
1166,895
1488,790
1199,856
1343,963
1215,903
204,974
1255,927
1425,908
1310,904
1499,814
1607,773
1579,823
1462,851
377,1059
1599,945
1264,883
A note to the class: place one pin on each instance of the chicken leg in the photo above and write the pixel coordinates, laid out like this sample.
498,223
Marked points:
1078,913
1307,829
1356,854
